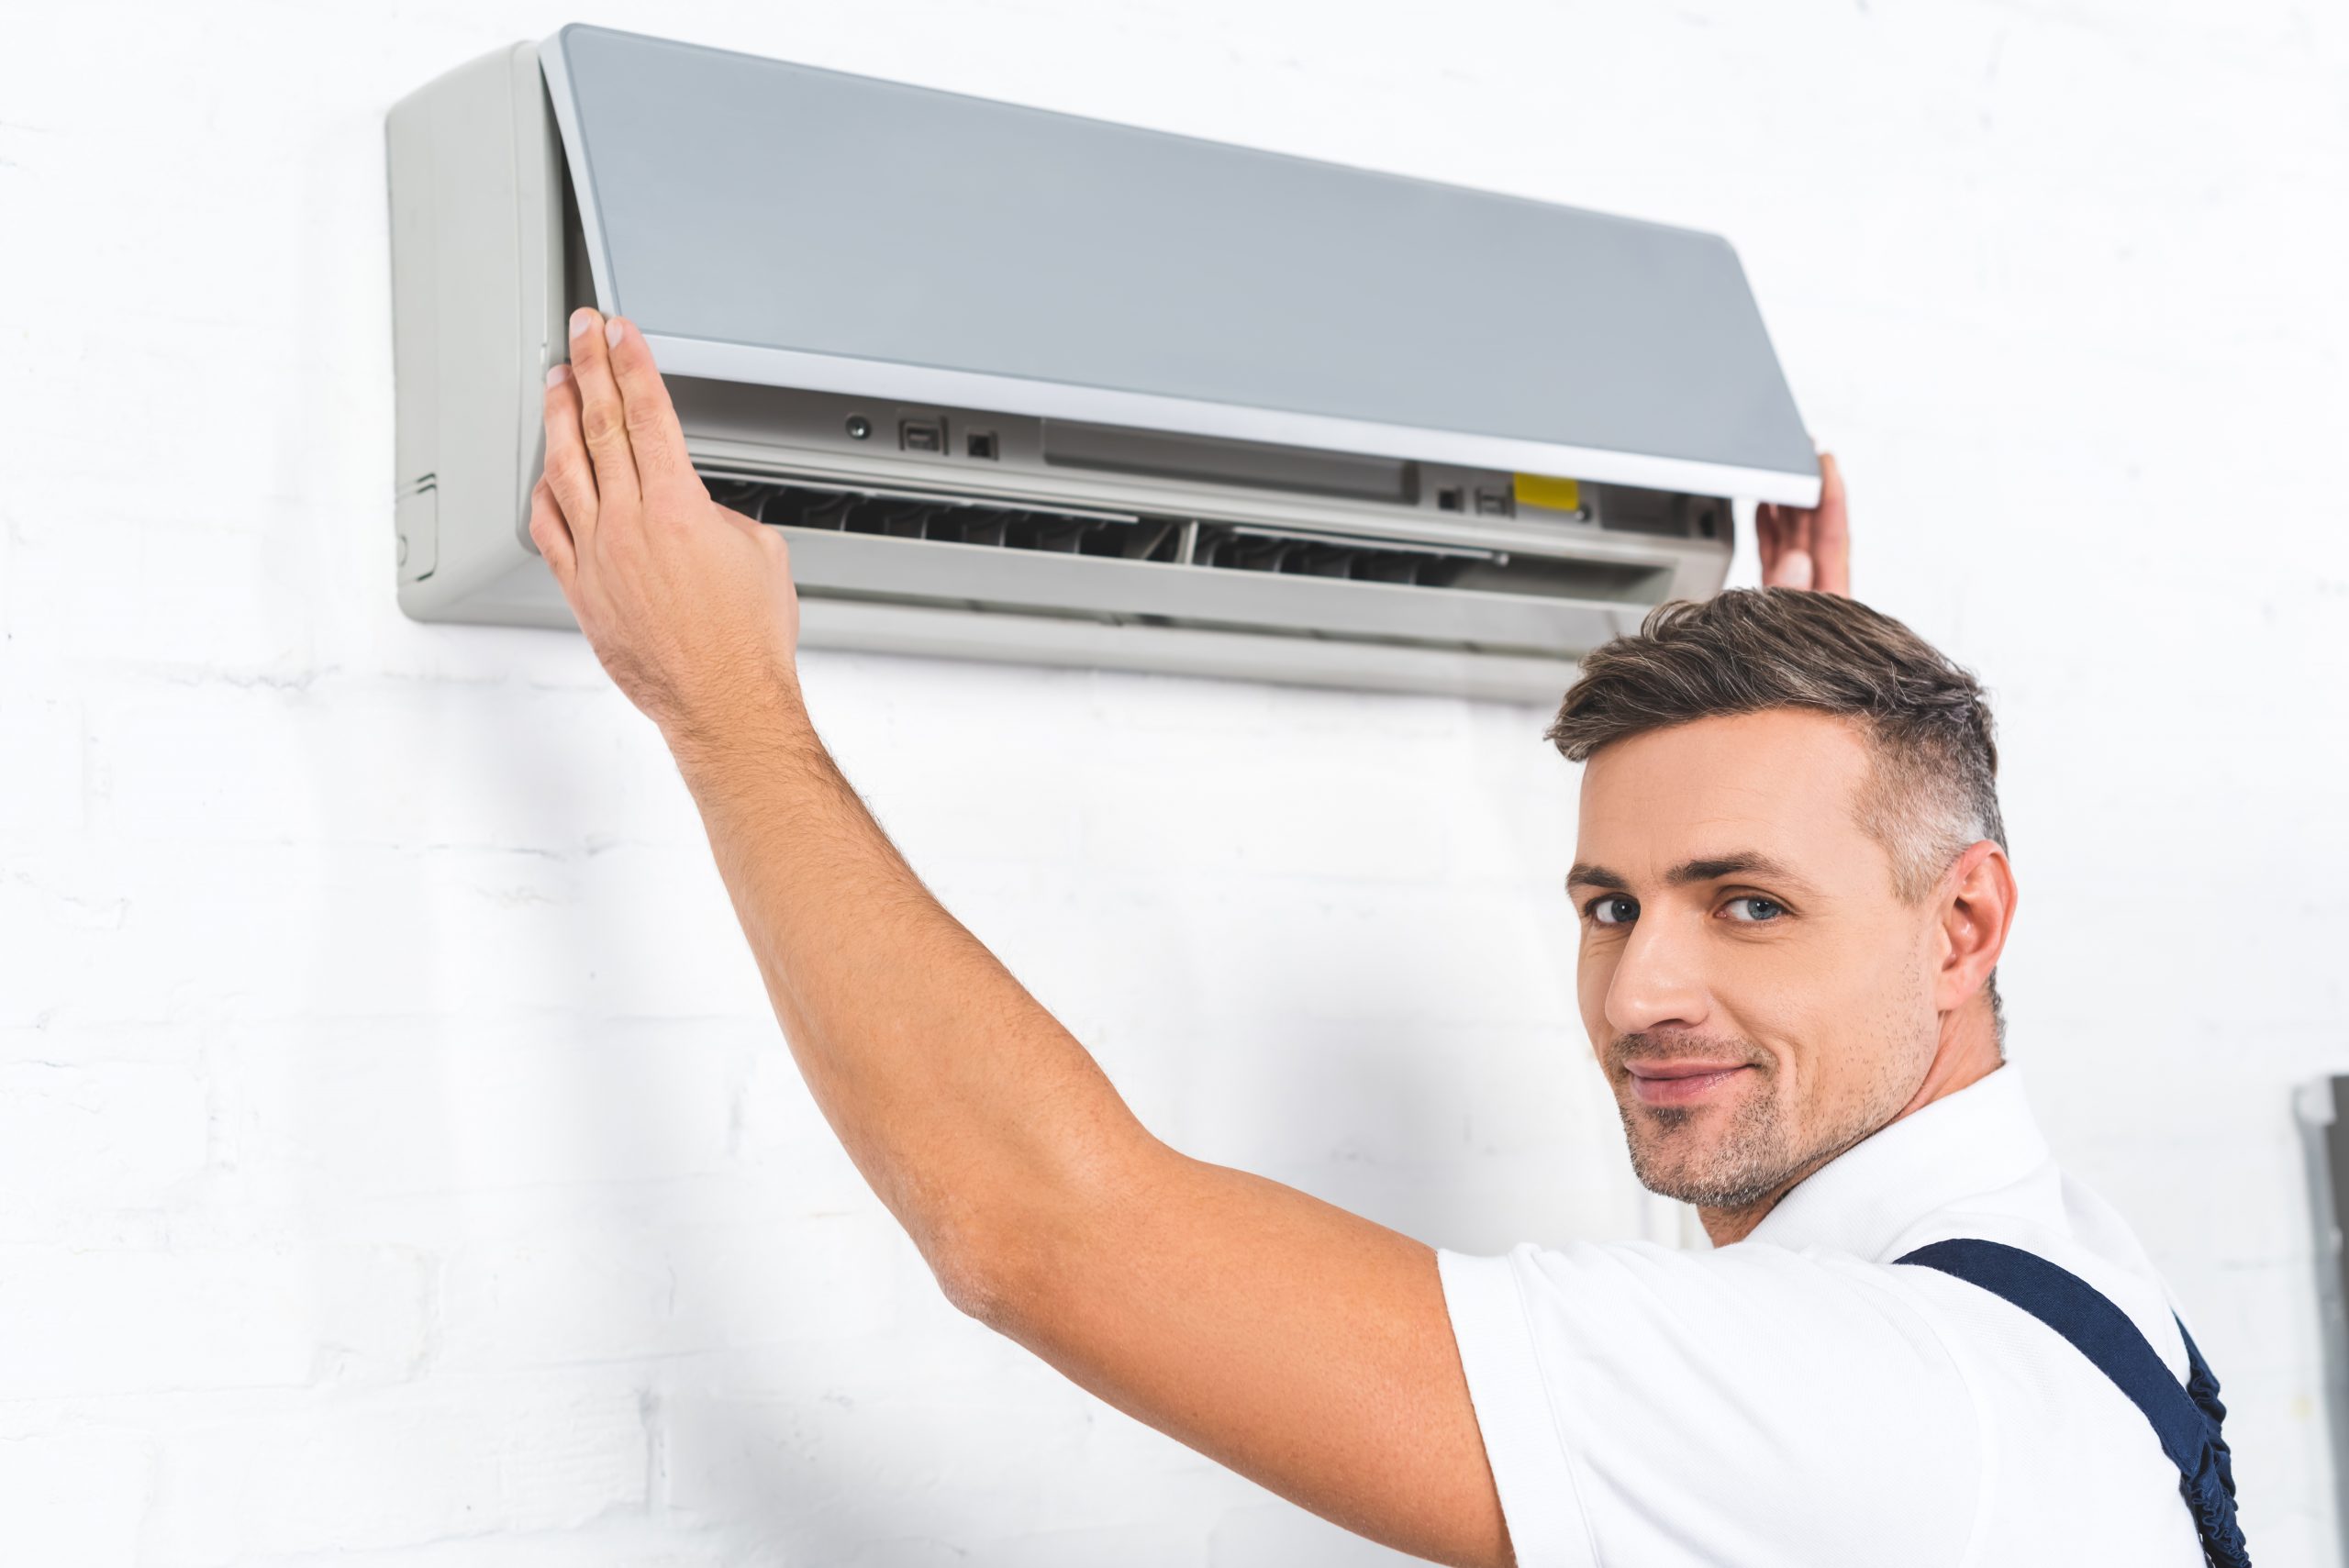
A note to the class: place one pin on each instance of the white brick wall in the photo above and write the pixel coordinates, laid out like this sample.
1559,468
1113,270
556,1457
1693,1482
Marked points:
396,1155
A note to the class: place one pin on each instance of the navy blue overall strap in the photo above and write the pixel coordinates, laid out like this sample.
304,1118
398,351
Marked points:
2186,1417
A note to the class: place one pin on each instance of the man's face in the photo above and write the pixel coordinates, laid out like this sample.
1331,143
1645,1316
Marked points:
1753,988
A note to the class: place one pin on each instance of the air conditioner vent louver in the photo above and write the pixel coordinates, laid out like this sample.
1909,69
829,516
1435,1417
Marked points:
1216,545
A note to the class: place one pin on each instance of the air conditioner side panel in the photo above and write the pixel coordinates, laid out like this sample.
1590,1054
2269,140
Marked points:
476,305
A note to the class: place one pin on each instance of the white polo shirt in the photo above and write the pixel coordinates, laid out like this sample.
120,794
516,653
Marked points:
1795,1398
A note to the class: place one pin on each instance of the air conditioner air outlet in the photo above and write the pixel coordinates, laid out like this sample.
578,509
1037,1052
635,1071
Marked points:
1190,543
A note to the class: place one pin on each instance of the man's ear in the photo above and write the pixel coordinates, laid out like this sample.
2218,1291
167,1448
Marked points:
1978,908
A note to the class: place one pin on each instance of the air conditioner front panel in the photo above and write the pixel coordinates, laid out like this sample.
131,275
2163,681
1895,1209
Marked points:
1193,649
528,596
768,222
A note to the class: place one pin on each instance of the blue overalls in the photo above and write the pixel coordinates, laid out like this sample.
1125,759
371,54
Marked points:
2184,1419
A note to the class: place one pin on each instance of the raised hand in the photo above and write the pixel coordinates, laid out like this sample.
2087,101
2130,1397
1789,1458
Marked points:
1307,1348
1807,546
689,605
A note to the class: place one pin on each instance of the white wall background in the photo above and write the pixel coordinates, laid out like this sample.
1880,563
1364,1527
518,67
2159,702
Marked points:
397,1161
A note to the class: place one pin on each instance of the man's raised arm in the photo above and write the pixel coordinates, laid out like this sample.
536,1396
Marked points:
1304,1347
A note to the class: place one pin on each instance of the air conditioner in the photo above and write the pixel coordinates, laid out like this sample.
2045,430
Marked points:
1023,385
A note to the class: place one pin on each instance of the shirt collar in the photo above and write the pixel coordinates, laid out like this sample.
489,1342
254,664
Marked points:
1981,1138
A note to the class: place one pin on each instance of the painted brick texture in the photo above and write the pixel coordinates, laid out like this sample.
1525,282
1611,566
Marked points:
398,1164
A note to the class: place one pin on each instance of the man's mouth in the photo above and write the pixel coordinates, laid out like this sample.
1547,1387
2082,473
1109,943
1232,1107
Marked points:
1681,1083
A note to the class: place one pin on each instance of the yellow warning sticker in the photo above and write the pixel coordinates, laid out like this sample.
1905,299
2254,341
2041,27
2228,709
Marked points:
1541,490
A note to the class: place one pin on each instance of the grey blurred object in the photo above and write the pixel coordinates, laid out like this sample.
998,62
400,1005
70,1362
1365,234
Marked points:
1023,385
2321,1109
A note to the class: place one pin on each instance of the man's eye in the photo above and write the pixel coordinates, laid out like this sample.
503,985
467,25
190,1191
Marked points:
1757,908
1614,909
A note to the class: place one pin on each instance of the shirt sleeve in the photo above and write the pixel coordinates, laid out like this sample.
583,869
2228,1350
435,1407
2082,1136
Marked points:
1646,1408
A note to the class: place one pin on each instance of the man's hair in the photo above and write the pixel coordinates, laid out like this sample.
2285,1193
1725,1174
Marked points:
1933,788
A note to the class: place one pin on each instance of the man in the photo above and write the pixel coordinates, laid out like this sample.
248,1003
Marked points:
1793,891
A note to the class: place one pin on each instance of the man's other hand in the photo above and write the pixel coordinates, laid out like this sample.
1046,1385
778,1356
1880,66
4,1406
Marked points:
1807,546
689,605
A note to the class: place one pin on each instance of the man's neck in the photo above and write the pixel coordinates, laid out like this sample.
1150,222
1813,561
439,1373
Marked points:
1966,1052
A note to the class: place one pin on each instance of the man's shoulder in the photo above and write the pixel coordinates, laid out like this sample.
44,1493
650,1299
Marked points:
1615,1382
1829,1309
2057,1218
1896,1400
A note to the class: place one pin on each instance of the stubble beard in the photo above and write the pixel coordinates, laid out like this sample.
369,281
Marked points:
1750,1155
1734,1155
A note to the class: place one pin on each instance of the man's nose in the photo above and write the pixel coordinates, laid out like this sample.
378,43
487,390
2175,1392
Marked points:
1658,982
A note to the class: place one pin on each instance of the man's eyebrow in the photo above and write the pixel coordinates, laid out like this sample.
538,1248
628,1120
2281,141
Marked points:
1743,862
